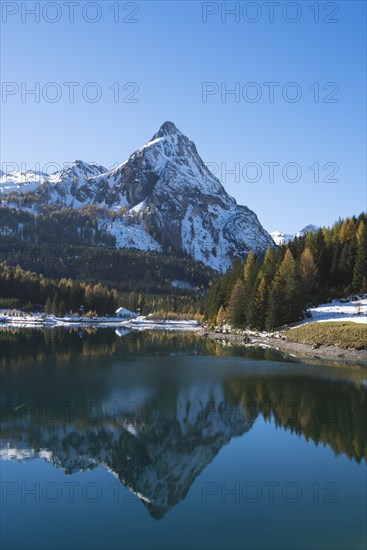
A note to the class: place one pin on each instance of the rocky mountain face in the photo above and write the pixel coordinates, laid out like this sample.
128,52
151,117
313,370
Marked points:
162,198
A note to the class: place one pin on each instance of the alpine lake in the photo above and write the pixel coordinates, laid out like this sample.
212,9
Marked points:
161,440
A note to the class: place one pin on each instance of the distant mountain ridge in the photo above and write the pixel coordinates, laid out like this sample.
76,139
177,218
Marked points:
282,238
163,198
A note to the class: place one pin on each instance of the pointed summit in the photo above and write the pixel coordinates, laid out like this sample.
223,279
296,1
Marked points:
168,198
167,128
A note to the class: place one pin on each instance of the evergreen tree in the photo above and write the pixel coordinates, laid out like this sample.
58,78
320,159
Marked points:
269,266
308,275
48,306
285,305
213,301
328,263
346,265
360,231
229,280
250,272
347,230
62,309
322,258
220,316
334,271
235,306
55,305
360,267
260,304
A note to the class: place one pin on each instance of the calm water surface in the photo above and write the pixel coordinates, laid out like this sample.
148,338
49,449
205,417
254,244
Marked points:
127,440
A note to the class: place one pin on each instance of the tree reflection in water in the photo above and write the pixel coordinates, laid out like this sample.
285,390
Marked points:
157,408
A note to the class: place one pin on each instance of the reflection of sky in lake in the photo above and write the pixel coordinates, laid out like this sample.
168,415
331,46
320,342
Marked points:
248,453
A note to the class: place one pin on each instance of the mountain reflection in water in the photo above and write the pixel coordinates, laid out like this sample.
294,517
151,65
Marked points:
155,409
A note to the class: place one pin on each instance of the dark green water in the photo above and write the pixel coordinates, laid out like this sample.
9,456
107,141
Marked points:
168,441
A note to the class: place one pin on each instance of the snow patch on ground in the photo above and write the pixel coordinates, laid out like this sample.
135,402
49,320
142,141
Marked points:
340,310
143,323
22,320
182,284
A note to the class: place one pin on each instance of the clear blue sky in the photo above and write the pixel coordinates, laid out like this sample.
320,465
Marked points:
169,52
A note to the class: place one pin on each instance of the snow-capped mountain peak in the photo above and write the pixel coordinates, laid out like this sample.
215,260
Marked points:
307,229
167,199
79,169
282,238
167,128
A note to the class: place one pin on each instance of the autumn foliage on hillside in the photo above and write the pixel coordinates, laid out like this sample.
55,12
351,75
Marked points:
276,290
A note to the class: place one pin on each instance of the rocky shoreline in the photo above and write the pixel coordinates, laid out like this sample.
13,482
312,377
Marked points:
279,341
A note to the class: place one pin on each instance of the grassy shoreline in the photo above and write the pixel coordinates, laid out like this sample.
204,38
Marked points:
306,340
343,335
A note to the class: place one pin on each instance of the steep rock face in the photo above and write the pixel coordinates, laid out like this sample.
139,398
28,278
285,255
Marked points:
166,194
182,204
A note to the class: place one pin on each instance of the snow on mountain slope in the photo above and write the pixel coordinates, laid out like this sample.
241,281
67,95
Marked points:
280,238
307,229
72,186
166,199
131,235
21,181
